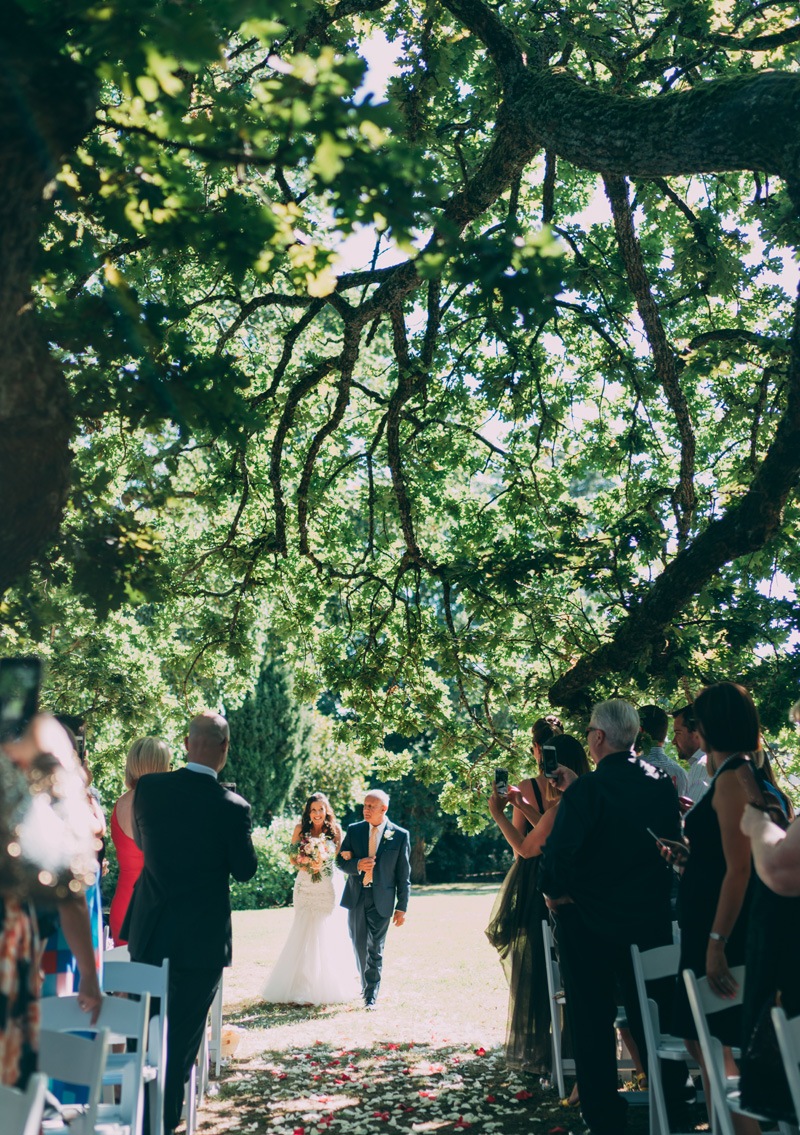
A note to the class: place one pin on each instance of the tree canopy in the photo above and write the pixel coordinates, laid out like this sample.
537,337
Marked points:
540,444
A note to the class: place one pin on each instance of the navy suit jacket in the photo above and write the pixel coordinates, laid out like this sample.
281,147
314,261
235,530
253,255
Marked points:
194,834
391,877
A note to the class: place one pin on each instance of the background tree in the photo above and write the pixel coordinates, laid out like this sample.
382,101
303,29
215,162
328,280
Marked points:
270,741
542,444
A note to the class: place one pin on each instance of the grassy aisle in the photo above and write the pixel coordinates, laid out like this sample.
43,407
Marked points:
429,1059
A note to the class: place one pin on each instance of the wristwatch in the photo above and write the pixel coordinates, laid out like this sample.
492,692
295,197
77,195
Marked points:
718,938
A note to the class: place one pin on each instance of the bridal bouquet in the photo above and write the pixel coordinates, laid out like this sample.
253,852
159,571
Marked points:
314,854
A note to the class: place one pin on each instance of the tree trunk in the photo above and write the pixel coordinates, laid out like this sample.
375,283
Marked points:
44,112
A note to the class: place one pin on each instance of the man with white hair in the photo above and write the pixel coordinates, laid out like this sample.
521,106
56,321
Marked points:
194,834
375,856
604,876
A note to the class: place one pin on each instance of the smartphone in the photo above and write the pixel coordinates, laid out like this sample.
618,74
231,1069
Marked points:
501,781
20,679
549,761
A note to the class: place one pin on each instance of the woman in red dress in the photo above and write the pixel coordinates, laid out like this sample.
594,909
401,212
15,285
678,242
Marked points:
148,754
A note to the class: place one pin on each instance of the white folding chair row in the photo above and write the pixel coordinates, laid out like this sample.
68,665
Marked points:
138,978
74,1060
21,1111
725,1097
126,1020
156,978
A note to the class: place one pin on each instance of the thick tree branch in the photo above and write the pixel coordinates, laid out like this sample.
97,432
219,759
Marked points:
663,355
745,527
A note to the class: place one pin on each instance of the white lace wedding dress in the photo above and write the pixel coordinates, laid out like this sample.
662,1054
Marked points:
317,965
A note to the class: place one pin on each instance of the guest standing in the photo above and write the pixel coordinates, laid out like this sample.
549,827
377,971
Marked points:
604,877
515,926
714,895
194,834
148,754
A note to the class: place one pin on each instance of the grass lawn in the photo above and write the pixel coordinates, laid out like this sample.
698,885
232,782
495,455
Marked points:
428,1060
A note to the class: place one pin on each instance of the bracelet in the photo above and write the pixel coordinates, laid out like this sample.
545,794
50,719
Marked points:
718,938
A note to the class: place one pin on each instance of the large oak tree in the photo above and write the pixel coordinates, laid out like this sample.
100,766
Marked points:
543,444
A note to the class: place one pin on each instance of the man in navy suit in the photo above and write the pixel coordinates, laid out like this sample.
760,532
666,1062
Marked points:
375,856
194,834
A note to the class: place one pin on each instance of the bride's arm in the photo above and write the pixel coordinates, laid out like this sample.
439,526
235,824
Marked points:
295,842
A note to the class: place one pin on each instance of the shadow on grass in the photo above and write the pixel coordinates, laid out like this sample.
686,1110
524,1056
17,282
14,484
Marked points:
267,1015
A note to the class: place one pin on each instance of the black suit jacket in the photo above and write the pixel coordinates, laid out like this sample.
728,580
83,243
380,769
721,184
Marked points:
194,834
601,854
391,879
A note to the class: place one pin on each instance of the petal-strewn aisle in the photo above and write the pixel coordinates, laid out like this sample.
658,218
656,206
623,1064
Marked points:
428,1060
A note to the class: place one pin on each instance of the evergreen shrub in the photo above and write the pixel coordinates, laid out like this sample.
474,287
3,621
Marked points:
273,881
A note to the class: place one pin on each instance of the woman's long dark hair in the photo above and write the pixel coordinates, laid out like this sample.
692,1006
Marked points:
329,824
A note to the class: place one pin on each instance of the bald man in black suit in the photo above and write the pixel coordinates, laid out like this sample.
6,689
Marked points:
195,835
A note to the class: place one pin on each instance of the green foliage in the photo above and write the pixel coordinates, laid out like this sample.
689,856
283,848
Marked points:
270,741
273,881
443,466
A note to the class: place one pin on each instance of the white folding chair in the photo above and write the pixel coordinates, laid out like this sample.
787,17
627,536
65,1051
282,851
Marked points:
787,1030
21,1111
725,1098
74,1060
652,965
555,992
138,978
126,1020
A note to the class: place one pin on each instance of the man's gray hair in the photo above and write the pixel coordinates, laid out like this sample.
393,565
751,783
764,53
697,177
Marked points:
619,720
378,794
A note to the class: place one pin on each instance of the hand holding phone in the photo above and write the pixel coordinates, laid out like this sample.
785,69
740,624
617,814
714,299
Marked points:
550,762
501,781
675,852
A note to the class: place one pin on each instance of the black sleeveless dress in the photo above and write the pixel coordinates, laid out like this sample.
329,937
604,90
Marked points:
515,930
698,896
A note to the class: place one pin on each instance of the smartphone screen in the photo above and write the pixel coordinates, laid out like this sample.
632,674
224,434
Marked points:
19,694
501,781
549,760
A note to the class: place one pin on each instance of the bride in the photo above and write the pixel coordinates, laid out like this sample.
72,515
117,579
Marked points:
316,965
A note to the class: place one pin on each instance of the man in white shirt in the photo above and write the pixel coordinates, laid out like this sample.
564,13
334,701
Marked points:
655,725
689,744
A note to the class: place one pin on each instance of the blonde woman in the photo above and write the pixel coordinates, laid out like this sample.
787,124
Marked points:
148,754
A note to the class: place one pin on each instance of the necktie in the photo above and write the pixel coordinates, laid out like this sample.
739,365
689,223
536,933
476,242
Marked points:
373,847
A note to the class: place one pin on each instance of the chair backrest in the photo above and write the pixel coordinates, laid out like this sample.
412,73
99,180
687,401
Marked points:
652,965
21,1112
76,1060
136,977
787,1030
123,1018
704,1002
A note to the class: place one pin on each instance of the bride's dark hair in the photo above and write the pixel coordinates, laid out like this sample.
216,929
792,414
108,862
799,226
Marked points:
329,824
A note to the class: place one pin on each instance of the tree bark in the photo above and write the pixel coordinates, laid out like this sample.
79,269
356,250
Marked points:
44,111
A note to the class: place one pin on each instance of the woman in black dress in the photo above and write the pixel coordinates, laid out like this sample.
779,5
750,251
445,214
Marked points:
715,889
515,928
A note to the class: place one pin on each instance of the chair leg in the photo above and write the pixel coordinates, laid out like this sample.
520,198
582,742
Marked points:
190,1101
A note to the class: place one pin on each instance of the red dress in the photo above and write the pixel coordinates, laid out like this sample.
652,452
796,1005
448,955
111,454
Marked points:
131,861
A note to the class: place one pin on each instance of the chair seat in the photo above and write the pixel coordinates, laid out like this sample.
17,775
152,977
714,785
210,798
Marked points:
671,1048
